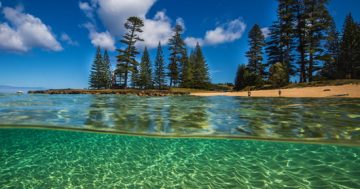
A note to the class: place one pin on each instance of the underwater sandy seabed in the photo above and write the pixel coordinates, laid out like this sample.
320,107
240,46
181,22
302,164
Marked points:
50,158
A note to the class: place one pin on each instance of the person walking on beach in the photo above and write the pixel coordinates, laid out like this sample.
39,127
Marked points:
249,93
279,92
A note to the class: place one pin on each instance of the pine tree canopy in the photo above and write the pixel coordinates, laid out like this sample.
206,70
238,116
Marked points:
106,71
186,72
318,19
177,55
201,77
302,27
349,60
332,51
95,80
145,79
126,58
159,74
273,48
286,19
255,53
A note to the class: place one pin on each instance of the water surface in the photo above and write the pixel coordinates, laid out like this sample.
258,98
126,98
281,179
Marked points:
275,118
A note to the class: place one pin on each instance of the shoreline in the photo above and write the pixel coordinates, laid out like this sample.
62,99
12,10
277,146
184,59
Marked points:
339,91
137,92
329,91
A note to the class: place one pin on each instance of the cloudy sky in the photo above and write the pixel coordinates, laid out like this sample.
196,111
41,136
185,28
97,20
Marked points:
51,43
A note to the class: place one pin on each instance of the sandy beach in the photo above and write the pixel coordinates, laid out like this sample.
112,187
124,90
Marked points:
343,91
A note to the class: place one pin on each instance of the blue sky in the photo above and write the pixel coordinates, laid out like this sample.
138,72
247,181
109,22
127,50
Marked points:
51,43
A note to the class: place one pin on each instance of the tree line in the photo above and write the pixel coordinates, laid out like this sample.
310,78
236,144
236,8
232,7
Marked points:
100,76
303,42
183,70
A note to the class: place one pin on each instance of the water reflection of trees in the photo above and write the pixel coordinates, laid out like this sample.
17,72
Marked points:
99,112
260,117
149,114
133,114
280,117
189,115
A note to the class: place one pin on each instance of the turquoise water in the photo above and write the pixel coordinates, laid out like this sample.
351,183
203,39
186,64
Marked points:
45,159
196,142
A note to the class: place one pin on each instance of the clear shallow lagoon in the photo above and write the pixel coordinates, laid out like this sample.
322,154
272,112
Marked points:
53,158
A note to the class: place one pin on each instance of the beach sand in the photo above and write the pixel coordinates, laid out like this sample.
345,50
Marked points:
343,91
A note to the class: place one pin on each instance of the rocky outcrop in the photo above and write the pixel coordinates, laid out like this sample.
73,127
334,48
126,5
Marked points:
112,91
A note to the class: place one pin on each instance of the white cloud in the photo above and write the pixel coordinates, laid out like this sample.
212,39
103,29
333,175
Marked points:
65,37
159,28
265,31
113,13
25,32
85,6
87,9
192,41
100,39
103,40
227,32
156,29
10,40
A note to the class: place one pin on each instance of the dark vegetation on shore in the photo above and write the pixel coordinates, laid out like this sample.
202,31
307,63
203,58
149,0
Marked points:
319,83
174,91
304,43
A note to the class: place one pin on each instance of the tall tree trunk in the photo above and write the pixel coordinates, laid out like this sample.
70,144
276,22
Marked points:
301,49
301,37
126,75
127,63
302,65
310,69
